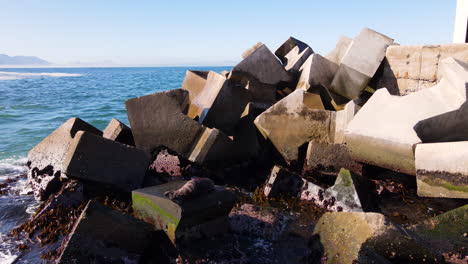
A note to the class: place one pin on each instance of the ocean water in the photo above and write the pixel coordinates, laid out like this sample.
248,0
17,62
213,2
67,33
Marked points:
34,102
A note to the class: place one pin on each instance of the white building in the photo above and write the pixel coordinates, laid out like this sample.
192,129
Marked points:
460,34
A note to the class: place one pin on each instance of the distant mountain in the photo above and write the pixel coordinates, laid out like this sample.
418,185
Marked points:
21,60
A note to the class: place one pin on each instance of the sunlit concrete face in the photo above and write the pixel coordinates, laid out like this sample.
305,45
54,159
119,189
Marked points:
460,34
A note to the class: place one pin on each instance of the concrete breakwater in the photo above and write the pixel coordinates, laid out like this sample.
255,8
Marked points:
331,155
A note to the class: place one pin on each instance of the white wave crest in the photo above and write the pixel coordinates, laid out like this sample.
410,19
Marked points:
13,166
22,75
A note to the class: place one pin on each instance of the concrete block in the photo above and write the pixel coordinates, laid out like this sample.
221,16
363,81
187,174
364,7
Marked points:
158,119
94,158
262,66
293,53
151,205
194,83
212,145
382,134
336,55
299,118
119,132
408,69
316,71
359,64
282,183
327,157
341,197
368,238
104,235
442,170
45,160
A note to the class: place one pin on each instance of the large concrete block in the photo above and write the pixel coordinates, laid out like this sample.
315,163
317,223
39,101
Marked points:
104,235
158,119
359,64
45,160
151,205
293,53
348,237
282,183
408,69
220,103
194,83
212,145
119,132
336,55
299,118
382,132
262,66
341,197
442,169
102,160
316,71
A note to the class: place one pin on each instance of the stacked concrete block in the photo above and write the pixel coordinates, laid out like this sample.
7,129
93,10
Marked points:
408,69
299,118
194,83
104,235
293,53
119,132
97,159
282,183
442,169
178,220
362,59
46,159
382,132
337,54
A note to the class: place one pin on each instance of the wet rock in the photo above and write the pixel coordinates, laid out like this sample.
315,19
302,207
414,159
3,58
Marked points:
341,197
382,134
445,232
119,132
337,54
104,235
265,222
200,216
408,69
326,157
45,160
358,67
104,161
441,169
368,238
299,118
293,53
282,183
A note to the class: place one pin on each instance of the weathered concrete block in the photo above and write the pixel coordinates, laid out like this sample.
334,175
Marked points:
447,127
368,238
262,66
442,170
327,157
336,55
158,119
103,235
382,134
212,145
316,71
45,160
293,53
282,183
151,205
341,197
102,160
408,69
265,222
119,132
299,118
359,64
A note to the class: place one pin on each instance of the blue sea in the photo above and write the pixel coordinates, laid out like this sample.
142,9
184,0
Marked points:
34,102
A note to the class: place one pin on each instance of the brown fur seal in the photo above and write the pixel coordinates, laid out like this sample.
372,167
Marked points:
192,188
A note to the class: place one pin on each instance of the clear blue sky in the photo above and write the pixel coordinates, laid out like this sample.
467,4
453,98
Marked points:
206,32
